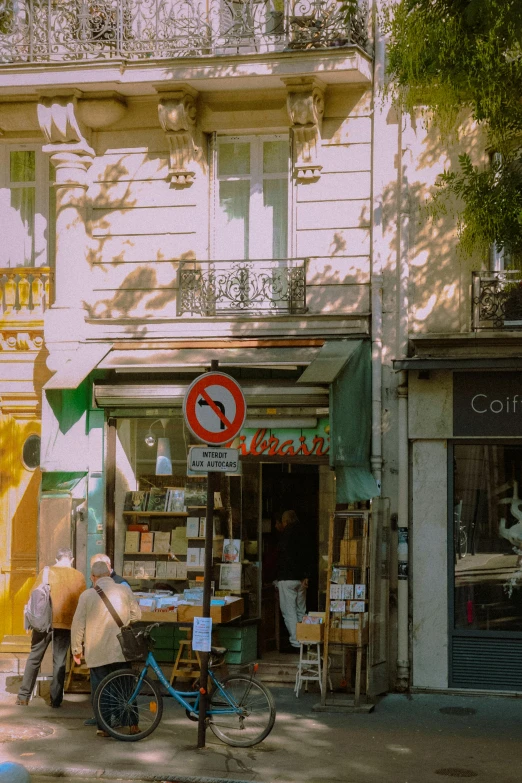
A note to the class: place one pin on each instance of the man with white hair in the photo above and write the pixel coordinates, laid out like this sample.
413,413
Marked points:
66,585
95,630
101,558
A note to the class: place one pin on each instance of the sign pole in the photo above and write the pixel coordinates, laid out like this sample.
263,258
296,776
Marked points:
207,574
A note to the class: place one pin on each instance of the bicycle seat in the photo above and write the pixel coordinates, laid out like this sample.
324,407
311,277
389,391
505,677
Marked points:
218,650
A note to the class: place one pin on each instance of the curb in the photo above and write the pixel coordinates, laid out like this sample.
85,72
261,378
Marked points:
123,774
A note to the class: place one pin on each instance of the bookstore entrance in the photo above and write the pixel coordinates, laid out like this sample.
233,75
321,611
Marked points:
159,518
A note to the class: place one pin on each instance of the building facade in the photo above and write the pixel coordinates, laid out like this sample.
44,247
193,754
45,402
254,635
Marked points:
183,185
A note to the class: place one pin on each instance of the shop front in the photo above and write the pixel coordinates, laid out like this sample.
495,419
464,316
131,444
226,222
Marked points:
153,508
467,557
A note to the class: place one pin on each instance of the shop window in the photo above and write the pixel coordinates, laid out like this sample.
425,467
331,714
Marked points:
251,197
26,206
160,515
487,537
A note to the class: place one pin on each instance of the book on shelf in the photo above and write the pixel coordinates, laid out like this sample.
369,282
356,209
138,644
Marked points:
135,500
232,550
230,577
179,540
193,524
132,541
171,569
161,542
139,528
193,556
139,569
196,491
181,570
157,499
128,569
175,500
341,592
147,542
161,569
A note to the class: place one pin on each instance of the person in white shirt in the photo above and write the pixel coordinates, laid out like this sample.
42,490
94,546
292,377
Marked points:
95,631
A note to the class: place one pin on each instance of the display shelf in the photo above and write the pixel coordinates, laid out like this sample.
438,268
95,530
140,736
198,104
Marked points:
202,538
181,514
148,553
348,551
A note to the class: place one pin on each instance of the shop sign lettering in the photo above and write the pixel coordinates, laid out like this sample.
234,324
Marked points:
487,403
273,442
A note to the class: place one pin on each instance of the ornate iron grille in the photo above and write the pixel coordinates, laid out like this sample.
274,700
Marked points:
242,287
497,300
68,30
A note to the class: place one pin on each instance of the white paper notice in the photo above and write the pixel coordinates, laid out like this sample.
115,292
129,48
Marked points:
202,634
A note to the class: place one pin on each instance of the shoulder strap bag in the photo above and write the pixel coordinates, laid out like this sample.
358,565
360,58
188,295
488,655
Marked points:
133,645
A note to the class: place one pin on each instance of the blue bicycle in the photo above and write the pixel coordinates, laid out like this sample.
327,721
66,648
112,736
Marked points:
128,705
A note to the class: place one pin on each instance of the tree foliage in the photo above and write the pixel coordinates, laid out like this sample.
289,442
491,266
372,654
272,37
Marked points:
450,55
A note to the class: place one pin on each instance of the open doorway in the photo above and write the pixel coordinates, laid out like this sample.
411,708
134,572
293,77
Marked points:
287,486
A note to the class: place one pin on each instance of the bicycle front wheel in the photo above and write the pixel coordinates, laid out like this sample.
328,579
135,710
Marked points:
124,712
249,716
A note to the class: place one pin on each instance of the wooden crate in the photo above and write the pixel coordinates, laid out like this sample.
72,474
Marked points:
308,632
219,614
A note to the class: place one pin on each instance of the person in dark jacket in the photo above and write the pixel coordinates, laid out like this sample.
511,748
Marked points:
292,573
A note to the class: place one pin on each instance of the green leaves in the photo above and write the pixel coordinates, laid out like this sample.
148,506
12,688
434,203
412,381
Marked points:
449,55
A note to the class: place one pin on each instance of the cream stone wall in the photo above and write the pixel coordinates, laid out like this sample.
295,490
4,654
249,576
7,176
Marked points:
440,272
142,227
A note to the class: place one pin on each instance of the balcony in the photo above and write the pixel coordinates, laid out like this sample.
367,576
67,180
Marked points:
24,293
35,31
208,288
497,300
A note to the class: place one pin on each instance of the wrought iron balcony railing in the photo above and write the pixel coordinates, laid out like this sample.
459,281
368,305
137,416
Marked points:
208,288
70,30
24,291
497,300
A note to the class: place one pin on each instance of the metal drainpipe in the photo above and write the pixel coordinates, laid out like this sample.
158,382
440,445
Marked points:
379,131
403,637
403,640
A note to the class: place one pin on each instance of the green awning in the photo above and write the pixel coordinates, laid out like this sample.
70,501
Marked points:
61,481
331,359
351,427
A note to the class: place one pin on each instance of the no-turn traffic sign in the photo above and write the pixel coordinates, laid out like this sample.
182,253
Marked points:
214,408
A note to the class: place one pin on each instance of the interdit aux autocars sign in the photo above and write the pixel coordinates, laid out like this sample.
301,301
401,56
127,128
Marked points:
487,403
276,442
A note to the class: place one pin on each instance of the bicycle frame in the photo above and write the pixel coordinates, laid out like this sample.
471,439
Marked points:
182,696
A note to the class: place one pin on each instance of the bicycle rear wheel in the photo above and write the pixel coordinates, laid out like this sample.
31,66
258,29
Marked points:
124,716
256,713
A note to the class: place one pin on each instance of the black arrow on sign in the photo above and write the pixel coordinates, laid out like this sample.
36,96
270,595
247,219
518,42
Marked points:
219,405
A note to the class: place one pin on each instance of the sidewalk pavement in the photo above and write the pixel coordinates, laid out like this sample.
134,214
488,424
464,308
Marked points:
422,738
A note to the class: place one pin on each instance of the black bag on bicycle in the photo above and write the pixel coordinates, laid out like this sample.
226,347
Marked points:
133,644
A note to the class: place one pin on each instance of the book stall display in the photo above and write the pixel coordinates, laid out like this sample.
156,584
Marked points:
346,616
163,556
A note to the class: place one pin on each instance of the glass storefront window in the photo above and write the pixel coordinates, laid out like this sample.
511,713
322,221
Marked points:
160,512
487,537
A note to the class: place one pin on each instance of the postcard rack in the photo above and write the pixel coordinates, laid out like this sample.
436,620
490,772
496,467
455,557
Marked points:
346,623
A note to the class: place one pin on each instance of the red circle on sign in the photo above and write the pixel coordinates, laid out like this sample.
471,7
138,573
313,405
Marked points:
197,397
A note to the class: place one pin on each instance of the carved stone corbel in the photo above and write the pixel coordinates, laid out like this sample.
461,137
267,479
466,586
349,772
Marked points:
305,104
177,115
70,152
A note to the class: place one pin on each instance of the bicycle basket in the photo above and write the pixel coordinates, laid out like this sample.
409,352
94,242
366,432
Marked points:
133,644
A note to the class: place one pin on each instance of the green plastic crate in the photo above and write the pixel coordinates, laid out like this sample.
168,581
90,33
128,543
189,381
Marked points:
246,655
